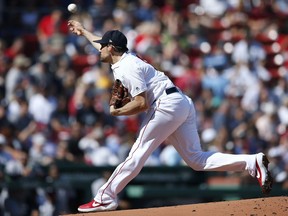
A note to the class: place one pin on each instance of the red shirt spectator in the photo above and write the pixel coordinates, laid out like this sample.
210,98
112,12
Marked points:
52,24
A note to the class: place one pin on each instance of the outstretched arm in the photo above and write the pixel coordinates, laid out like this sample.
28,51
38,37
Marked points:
78,29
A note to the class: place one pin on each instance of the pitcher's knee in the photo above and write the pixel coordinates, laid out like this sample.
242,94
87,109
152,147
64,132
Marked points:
196,167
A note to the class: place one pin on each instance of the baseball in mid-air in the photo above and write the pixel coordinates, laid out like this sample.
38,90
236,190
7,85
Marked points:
72,8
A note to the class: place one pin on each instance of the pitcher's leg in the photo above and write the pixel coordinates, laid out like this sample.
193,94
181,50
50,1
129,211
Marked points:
125,172
216,161
149,139
187,142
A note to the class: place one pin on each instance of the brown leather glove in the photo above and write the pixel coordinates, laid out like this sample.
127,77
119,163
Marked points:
119,95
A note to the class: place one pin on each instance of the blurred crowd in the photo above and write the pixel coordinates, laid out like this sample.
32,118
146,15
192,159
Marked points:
229,56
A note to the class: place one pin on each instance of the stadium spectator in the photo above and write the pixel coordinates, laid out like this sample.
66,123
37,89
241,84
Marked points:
17,72
50,25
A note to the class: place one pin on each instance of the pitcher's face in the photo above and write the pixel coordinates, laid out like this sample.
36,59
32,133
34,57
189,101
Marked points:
105,55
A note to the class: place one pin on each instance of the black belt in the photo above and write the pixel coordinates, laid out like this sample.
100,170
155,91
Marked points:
171,90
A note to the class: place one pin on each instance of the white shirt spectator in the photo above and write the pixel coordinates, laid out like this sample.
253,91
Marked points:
20,65
283,112
214,8
40,108
170,157
240,78
264,124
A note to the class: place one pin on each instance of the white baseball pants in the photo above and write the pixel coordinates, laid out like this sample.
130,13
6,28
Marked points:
172,116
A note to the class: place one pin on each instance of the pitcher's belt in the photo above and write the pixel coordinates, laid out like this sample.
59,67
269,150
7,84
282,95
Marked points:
171,90
168,91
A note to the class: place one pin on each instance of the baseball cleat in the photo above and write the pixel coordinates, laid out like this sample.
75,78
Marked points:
94,206
262,173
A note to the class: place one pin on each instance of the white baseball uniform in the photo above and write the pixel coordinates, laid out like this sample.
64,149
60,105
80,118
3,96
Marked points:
171,115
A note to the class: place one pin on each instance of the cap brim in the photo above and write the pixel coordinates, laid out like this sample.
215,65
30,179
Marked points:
101,41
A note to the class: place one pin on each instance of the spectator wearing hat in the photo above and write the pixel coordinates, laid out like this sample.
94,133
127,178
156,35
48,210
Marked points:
18,71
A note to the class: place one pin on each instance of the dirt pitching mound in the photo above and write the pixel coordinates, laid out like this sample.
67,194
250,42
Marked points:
269,206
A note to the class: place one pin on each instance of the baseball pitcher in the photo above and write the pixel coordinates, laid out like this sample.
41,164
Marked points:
139,87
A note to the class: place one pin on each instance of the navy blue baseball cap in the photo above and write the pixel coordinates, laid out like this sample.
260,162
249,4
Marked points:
116,38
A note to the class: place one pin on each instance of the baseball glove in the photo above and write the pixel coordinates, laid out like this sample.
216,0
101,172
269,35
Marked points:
119,95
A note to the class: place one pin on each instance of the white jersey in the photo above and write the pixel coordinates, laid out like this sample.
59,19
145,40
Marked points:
138,76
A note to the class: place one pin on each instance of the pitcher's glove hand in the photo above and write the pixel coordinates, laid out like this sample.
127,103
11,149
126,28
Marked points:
119,95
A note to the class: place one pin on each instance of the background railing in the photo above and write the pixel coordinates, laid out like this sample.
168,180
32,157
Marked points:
154,186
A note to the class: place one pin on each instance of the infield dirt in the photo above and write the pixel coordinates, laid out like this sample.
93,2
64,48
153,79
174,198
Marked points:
270,206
